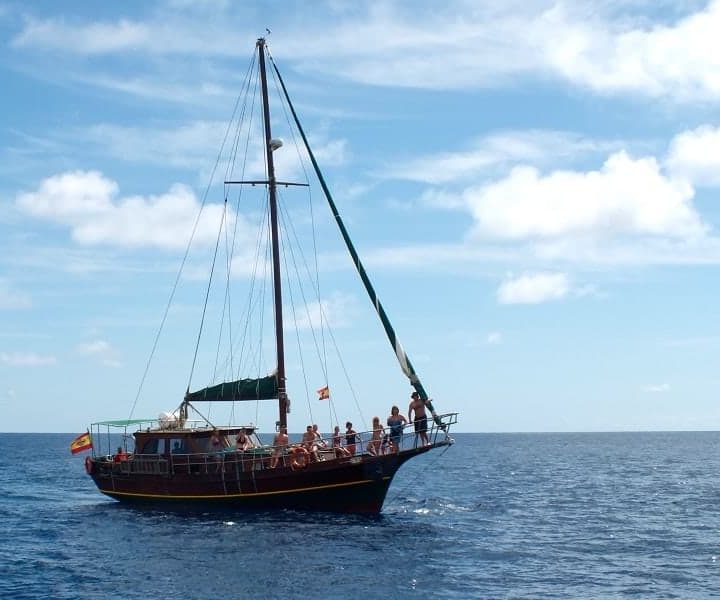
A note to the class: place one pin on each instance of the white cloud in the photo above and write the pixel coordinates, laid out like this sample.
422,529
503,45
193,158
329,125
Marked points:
96,347
695,155
191,145
26,359
605,47
625,197
87,203
109,37
534,289
494,151
676,60
494,338
335,311
102,351
656,388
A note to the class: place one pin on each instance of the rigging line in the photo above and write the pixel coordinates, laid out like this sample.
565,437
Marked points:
347,377
245,157
402,357
213,378
295,321
302,291
321,356
326,320
156,341
237,209
256,301
207,297
246,89
266,264
184,260
229,248
310,200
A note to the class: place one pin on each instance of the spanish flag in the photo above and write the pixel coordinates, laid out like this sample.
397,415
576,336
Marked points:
323,393
81,443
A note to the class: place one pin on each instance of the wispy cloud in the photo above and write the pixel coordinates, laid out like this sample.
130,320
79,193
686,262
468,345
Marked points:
496,151
493,338
102,350
26,359
336,311
658,388
595,47
533,289
11,299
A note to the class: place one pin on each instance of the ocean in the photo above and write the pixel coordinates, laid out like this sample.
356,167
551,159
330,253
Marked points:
587,515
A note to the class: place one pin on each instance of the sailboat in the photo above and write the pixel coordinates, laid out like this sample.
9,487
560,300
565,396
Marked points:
179,459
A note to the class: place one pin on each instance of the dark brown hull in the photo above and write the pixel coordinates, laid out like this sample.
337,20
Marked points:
358,484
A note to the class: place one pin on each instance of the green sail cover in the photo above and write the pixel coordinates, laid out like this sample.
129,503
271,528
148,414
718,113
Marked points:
264,388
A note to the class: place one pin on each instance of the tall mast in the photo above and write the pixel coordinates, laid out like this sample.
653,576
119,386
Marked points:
272,188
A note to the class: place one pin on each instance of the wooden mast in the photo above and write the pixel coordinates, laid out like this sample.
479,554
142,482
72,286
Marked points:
272,188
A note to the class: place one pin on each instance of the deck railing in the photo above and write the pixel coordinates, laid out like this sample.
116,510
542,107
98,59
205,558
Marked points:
260,458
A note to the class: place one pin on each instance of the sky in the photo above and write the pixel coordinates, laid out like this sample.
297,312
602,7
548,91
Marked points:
532,187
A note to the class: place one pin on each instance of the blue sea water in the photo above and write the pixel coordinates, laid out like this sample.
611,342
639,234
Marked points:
495,516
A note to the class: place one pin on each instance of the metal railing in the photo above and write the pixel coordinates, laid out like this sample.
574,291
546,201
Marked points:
260,458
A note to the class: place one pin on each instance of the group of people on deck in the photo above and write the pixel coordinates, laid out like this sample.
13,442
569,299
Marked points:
346,444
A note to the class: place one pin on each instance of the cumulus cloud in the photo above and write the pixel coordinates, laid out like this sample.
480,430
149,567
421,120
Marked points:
676,59
26,359
626,196
533,288
695,155
87,202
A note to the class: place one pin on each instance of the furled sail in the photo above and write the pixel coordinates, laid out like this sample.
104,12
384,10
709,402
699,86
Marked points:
264,388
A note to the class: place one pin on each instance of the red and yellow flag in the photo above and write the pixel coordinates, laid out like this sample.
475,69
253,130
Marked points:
323,393
81,443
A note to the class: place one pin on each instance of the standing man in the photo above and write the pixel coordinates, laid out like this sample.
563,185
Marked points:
420,420
280,444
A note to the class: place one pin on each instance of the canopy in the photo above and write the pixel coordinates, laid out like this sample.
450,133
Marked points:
264,388
124,422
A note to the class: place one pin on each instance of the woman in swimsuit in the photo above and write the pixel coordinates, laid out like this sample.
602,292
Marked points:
350,438
377,434
396,422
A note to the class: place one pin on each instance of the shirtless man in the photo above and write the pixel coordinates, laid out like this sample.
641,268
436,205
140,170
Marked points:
318,437
280,442
420,420
309,442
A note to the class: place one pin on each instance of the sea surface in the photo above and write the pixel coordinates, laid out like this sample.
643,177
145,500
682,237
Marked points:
586,515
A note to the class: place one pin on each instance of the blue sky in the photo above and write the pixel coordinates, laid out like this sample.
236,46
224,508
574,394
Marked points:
532,186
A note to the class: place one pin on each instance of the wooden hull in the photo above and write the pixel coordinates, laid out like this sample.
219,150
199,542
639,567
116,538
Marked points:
351,485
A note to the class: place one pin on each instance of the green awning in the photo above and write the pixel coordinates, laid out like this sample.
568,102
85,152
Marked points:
264,388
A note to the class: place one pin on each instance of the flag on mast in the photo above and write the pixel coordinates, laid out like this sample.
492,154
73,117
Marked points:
323,393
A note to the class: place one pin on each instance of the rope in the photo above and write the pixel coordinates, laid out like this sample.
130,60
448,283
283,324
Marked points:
187,251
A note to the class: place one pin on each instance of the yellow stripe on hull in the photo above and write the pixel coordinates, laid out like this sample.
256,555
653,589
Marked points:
245,495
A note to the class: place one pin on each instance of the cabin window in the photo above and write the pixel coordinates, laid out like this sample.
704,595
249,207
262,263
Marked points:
177,446
156,446
150,446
